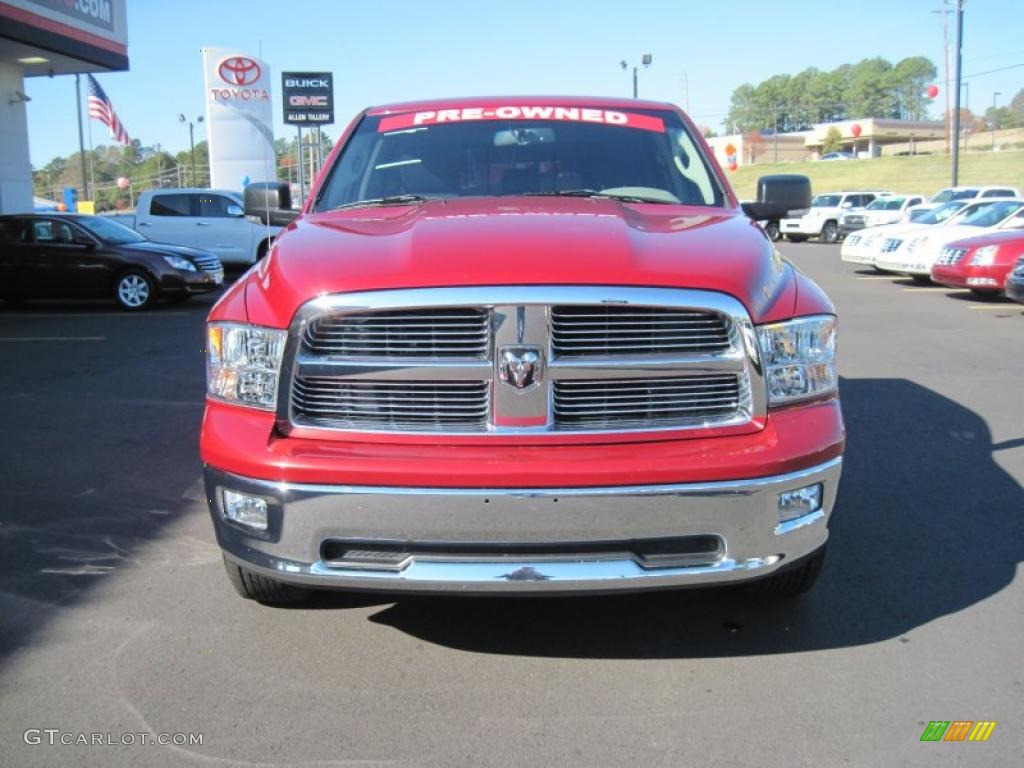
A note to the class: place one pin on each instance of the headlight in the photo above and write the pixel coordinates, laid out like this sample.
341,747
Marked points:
181,263
243,363
917,242
799,358
983,257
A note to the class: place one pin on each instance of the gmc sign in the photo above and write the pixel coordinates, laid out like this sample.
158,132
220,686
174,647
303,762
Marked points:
308,98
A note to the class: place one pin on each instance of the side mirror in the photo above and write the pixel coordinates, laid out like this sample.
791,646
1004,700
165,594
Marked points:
779,194
235,210
270,202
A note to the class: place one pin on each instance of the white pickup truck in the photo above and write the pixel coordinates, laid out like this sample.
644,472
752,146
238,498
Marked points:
208,219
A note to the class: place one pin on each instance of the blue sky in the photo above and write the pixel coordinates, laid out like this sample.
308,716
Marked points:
399,50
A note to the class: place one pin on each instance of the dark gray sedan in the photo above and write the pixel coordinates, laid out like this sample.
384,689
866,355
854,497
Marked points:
58,256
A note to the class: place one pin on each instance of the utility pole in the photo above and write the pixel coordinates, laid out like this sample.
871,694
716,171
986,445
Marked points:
945,48
192,143
992,122
956,90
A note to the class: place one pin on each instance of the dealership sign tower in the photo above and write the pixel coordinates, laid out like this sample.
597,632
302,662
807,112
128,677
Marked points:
239,119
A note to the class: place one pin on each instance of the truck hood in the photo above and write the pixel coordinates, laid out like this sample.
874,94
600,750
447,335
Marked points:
517,241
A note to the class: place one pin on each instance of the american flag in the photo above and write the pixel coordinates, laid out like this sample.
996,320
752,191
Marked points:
101,108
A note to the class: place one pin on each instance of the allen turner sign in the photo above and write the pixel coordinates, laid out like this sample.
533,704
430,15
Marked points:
308,98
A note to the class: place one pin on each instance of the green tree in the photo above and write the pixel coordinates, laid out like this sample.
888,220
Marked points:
833,140
910,78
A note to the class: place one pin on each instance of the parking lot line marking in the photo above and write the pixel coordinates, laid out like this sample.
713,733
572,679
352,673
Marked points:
933,290
1007,307
879,277
54,338
86,314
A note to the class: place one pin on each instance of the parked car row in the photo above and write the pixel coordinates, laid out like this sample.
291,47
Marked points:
975,245
834,216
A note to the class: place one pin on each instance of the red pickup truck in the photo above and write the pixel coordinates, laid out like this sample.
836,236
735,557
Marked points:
522,346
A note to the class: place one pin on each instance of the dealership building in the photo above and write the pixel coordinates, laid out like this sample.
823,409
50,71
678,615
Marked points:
48,38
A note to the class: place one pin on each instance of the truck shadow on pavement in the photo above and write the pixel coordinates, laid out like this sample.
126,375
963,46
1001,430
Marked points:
927,525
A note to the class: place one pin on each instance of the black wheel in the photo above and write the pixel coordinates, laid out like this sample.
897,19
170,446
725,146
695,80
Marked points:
253,586
772,230
921,279
830,232
796,238
135,291
179,298
790,580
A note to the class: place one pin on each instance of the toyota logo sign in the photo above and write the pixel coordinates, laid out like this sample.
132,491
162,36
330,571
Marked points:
239,70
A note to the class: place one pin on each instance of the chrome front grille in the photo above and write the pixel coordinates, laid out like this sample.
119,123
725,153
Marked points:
521,360
601,331
620,402
951,256
412,405
430,332
208,263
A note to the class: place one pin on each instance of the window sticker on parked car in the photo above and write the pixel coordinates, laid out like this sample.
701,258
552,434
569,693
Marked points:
509,112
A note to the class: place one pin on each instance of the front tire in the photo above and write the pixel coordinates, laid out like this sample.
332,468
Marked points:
772,230
135,291
253,586
789,581
830,232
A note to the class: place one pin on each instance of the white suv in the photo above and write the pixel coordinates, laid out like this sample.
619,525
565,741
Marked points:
966,193
821,220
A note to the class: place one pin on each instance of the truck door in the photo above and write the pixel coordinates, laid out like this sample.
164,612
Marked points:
223,229
171,218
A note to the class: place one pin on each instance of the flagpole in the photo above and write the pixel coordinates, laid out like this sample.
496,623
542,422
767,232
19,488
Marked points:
81,140
92,170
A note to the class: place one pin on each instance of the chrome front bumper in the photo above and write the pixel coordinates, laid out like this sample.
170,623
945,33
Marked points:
603,522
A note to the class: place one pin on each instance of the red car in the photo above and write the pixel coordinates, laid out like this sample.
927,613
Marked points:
980,263
522,346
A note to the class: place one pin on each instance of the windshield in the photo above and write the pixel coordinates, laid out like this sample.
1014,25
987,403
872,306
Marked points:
109,231
991,214
940,214
644,155
954,194
825,201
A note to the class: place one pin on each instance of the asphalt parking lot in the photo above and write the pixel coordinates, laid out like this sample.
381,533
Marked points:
116,616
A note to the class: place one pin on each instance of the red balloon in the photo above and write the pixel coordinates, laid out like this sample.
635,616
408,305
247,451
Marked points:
733,166
855,130
933,91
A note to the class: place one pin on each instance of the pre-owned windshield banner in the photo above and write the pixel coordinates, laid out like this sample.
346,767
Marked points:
519,112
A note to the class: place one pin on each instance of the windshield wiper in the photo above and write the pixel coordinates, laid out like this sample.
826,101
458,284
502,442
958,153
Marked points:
598,193
389,200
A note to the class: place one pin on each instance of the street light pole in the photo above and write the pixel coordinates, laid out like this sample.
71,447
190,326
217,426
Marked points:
191,142
646,61
992,122
956,90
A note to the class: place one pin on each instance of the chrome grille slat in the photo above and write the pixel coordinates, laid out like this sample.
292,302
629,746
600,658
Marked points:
615,330
683,397
427,333
338,403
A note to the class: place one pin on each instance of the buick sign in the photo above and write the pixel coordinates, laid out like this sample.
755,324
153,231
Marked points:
308,98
